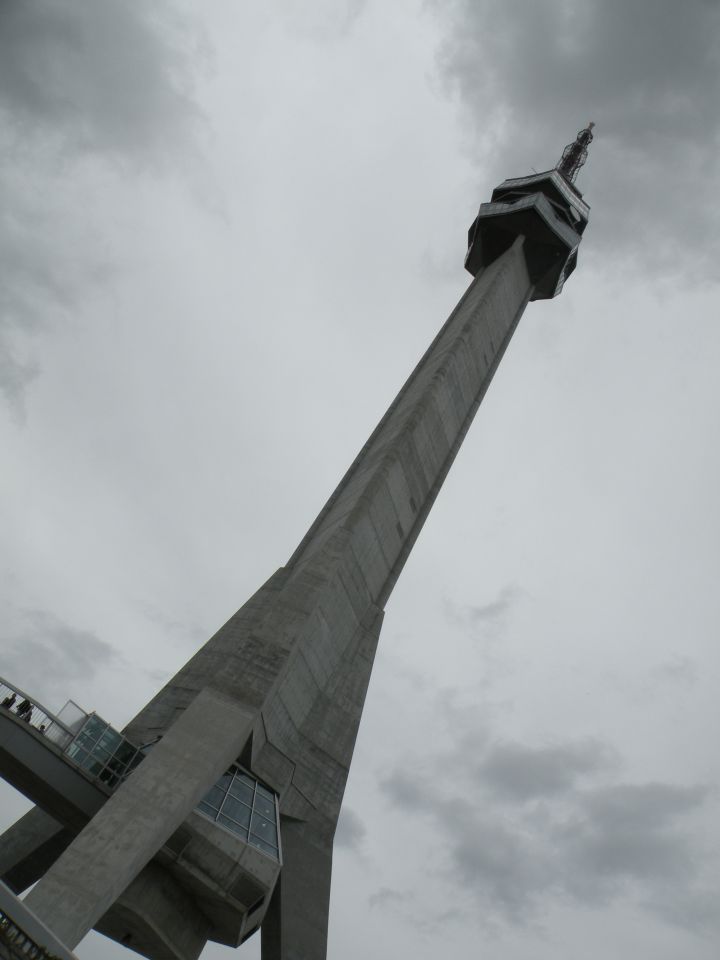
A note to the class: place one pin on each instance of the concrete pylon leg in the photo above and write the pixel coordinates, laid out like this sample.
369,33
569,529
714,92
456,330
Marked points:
29,848
295,925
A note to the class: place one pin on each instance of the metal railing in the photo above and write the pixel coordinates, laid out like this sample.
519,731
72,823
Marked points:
15,943
26,708
86,739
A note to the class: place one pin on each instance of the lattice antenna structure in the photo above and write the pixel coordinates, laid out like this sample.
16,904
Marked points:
575,154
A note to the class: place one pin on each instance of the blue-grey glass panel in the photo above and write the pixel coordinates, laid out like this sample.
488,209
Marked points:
264,828
232,825
245,778
264,792
214,797
102,755
264,806
94,726
225,781
92,765
77,753
242,790
110,740
237,810
86,739
207,809
265,847
125,751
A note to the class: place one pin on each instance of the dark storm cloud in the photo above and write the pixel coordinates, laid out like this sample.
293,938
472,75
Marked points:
522,824
646,72
350,830
106,79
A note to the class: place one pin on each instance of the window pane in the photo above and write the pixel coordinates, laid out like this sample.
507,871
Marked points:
94,727
92,765
110,740
102,755
264,807
77,753
265,829
245,778
207,809
264,792
214,797
125,752
224,782
237,810
242,791
265,847
86,739
231,825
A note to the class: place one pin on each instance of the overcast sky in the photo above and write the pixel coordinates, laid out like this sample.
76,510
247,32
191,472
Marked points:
227,233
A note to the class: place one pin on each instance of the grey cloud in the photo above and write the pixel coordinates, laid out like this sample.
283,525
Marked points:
489,617
350,830
646,72
520,773
386,896
108,80
42,652
523,827
104,76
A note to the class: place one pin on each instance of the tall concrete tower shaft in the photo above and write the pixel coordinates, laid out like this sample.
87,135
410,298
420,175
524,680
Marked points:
275,696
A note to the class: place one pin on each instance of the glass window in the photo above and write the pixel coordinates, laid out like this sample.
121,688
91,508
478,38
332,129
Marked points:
76,752
263,828
262,845
264,806
94,726
231,825
102,755
242,790
92,765
237,810
207,809
215,797
125,752
110,739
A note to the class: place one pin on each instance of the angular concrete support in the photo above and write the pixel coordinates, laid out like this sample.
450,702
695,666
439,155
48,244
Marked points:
30,847
295,926
166,923
137,820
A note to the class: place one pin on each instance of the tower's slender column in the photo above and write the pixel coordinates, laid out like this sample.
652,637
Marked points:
279,662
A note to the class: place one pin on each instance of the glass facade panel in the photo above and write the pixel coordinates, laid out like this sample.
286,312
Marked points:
215,797
238,803
94,726
231,825
265,847
125,752
264,806
237,810
242,790
263,828
110,740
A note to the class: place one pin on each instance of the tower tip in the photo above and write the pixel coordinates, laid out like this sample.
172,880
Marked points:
575,154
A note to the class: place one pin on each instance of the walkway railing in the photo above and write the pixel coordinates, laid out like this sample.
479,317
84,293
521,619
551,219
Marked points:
85,738
57,730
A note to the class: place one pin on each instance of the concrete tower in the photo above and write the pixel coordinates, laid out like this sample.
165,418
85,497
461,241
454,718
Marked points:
214,812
